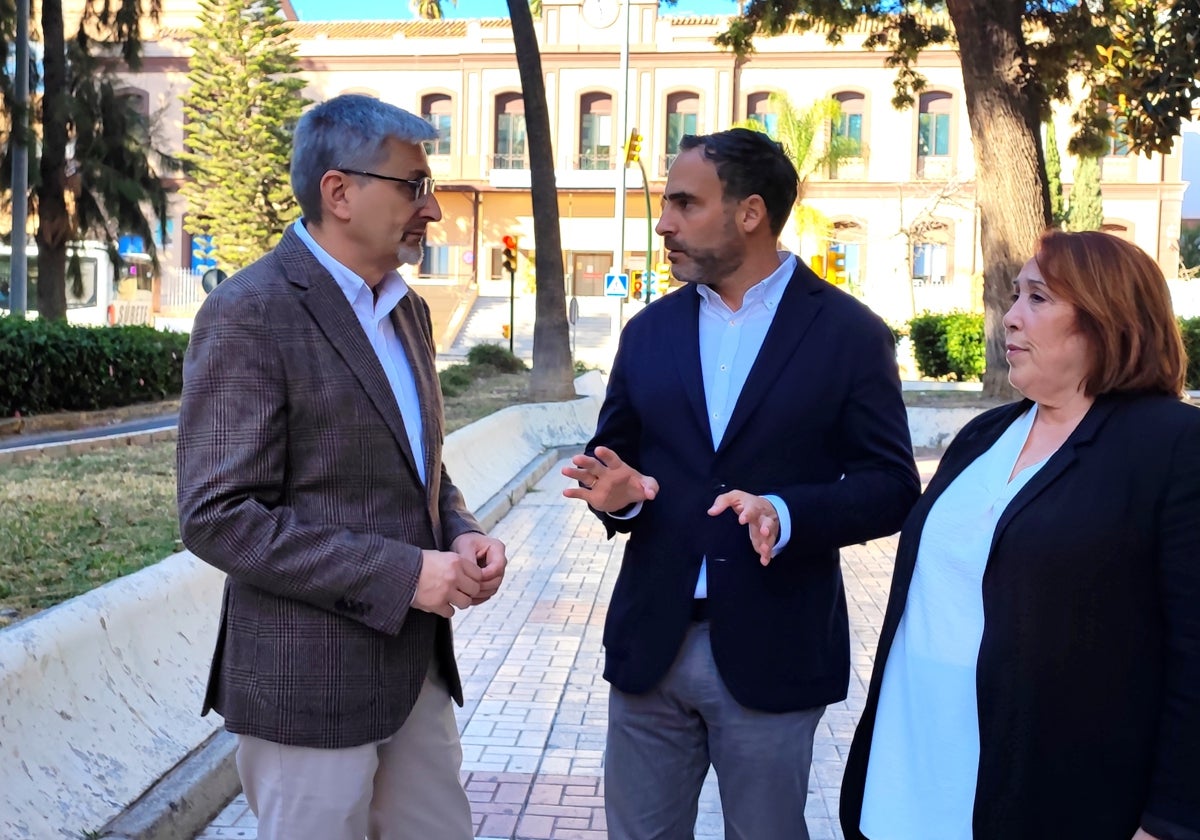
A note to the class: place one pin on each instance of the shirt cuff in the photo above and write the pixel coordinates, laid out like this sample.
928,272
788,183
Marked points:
627,512
785,524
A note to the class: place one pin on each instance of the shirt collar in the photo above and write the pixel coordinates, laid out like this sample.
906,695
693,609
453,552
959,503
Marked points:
767,292
391,288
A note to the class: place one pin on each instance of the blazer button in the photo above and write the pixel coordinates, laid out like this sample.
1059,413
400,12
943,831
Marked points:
720,488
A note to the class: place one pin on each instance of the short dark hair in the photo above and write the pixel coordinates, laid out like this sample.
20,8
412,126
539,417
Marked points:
751,163
1123,306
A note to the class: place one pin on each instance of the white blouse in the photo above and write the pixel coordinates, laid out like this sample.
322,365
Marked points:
925,749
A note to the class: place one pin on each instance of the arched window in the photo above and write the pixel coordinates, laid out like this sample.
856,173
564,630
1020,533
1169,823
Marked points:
137,99
933,125
438,110
758,108
595,131
509,149
846,136
849,126
683,117
850,241
1120,228
931,254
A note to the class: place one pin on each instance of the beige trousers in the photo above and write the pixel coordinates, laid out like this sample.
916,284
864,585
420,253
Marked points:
403,788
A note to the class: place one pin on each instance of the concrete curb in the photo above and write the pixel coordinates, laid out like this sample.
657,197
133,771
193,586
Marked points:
186,799
37,451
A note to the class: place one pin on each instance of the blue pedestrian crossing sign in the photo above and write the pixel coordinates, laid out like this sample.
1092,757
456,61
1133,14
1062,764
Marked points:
616,285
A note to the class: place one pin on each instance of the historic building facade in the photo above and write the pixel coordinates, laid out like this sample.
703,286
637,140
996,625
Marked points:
901,215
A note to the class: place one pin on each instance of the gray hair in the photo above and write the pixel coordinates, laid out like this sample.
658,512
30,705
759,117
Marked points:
347,132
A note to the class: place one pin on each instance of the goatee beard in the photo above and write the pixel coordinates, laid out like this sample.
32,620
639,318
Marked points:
410,254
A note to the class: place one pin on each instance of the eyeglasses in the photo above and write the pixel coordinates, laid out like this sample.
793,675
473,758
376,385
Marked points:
420,187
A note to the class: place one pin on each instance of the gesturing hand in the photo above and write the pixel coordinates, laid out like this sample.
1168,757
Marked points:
609,484
448,581
488,554
757,513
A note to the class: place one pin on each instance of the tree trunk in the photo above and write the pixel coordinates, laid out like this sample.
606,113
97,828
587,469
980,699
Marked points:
54,223
553,376
1014,199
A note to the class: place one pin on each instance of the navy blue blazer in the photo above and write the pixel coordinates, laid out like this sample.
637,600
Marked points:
1088,674
820,422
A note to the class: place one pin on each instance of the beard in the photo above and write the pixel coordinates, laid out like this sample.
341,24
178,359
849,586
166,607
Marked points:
410,253
707,266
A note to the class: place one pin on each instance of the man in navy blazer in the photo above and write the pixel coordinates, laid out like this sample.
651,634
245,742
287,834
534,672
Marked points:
753,425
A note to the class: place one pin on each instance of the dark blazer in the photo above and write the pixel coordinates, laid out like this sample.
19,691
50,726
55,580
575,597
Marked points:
297,479
820,423
1089,668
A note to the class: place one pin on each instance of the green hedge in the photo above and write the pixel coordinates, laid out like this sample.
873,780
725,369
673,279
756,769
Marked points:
47,366
1190,327
949,344
953,344
483,360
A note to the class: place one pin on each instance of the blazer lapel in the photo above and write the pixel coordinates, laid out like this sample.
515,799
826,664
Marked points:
686,345
410,329
798,307
1066,455
334,316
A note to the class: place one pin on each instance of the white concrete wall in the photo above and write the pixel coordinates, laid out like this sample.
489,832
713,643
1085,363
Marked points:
101,695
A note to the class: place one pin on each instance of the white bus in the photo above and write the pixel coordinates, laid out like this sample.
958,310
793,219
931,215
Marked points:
100,295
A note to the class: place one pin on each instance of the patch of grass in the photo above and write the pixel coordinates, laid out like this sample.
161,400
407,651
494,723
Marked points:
71,524
484,396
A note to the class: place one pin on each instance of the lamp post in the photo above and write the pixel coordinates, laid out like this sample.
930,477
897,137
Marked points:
619,212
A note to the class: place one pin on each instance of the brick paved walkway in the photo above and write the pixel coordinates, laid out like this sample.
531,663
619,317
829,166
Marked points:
533,726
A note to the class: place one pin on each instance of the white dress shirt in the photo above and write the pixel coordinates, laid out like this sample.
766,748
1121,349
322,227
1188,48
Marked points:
373,312
729,344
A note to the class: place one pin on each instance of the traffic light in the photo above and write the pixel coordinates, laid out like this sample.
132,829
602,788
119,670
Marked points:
635,286
510,254
633,148
835,264
506,330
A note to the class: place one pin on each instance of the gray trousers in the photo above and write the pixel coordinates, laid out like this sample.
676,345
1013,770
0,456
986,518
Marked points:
660,745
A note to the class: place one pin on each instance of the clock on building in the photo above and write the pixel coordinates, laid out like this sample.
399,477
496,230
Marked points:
601,13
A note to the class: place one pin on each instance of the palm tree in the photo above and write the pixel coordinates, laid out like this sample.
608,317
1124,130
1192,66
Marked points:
102,188
427,9
552,377
810,138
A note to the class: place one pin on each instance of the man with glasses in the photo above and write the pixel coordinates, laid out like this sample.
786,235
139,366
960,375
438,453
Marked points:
310,471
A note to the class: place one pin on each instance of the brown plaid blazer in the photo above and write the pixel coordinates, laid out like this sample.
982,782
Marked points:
296,479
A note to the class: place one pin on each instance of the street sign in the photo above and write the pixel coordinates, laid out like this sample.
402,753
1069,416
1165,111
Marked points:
616,285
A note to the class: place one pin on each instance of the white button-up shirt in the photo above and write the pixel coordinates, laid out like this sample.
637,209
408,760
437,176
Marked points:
729,344
373,311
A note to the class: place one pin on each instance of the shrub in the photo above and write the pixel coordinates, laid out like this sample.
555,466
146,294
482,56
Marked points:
1190,327
494,356
456,379
950,344
51,366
